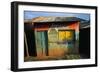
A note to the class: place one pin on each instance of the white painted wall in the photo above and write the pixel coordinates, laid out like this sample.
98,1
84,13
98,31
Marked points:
5,27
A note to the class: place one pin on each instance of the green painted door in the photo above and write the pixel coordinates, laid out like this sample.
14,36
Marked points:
42,42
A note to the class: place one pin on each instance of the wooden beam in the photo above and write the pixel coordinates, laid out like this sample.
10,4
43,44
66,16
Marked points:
27,53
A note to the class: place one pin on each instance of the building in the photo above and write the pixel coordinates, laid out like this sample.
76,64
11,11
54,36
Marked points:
53,37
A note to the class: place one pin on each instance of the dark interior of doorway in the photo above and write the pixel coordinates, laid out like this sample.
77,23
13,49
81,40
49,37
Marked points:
84,42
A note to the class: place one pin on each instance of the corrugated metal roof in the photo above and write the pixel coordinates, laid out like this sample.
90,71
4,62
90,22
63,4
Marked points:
56,19
85,24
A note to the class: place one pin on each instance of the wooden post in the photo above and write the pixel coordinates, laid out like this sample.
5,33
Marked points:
27,53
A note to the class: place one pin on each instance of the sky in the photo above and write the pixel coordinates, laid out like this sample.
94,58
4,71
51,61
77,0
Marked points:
33,14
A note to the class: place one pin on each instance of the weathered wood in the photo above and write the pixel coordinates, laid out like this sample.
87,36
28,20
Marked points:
26,44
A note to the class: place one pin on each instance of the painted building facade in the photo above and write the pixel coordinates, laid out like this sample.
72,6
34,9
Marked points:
55,38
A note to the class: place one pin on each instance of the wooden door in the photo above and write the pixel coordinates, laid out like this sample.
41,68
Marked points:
41,43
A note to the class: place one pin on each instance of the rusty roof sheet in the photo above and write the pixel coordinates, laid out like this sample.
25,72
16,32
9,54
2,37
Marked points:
56,19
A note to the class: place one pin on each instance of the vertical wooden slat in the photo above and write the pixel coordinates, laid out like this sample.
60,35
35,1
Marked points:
27,53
